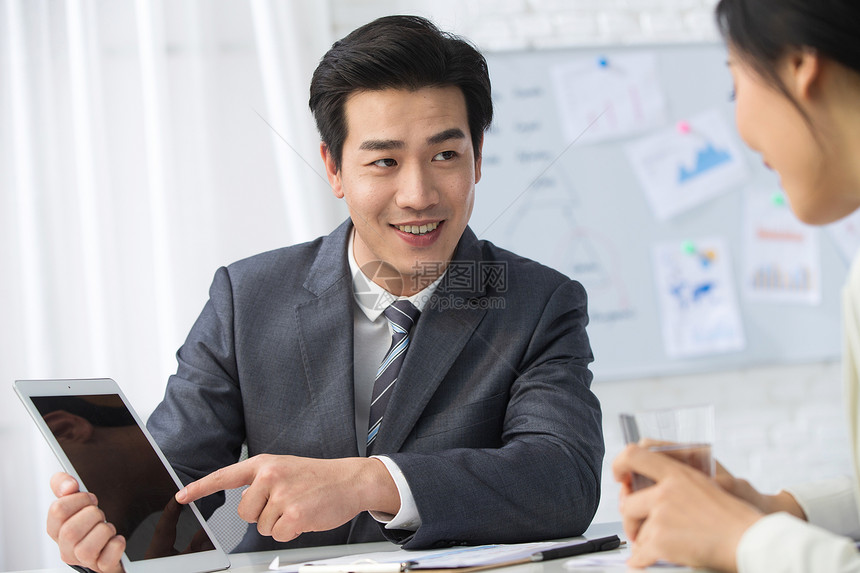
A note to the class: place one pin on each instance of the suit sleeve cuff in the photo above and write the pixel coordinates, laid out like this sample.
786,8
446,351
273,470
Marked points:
407,518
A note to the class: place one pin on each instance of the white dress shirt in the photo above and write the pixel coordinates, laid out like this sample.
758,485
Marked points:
372,337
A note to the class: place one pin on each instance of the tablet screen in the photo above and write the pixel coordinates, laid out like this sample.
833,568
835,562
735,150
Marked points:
116,462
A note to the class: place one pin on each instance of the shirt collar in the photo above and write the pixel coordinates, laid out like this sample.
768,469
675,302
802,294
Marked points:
371,298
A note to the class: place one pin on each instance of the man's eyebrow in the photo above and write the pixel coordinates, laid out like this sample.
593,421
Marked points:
453,133
386,144
381,144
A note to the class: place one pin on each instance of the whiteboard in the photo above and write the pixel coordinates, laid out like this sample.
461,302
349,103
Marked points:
581,209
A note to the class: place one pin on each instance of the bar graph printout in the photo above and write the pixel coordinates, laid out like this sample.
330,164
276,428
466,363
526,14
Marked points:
782,260
683,166
699,309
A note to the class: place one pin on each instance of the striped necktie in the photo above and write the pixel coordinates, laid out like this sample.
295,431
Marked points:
401,314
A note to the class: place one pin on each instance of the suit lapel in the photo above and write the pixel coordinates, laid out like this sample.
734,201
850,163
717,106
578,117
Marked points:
439,338
326,337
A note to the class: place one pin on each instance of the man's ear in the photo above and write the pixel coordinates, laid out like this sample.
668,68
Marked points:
67,427
331,171
479,156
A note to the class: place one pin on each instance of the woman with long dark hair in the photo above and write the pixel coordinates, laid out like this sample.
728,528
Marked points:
796,70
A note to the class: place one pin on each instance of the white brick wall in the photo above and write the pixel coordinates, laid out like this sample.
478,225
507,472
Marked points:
518,24
775,425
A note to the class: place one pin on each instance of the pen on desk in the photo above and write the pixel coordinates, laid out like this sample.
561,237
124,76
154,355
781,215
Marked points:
590,546
365,567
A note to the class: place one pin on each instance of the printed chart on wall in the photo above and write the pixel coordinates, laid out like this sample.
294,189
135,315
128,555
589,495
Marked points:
623,169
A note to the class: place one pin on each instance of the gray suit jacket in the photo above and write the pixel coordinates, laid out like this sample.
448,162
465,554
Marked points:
492,421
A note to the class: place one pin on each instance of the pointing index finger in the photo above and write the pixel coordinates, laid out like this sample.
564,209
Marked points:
229,477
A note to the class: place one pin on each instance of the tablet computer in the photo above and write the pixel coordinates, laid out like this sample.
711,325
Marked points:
100,440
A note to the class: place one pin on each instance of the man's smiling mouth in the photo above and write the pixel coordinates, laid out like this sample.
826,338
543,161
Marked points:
417,229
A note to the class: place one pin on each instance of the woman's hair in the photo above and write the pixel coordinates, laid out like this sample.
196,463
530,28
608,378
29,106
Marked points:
761,31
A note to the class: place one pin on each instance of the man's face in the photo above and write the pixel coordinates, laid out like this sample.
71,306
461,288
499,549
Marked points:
408,174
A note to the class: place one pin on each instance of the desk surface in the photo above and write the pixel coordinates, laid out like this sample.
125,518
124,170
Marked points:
259,562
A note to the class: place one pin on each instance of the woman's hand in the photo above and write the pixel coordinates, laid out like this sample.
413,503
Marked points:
685,517
742,489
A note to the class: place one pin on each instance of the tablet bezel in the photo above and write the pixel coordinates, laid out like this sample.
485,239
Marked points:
200,562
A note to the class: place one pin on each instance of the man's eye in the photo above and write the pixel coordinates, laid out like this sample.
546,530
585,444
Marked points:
445,156
387,162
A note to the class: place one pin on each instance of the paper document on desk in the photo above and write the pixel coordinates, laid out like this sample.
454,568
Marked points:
450,558
610,559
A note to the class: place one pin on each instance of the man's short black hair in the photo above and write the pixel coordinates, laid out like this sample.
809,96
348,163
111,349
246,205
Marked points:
399,52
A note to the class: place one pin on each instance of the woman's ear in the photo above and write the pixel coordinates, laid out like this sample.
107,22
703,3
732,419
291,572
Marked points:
804,72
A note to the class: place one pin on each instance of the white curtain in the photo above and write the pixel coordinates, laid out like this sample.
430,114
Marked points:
142,145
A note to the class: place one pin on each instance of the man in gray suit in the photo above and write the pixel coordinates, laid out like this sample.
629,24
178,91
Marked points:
490,433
